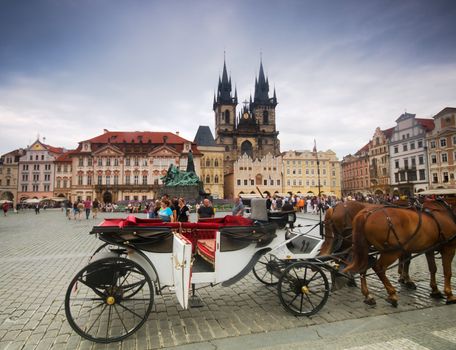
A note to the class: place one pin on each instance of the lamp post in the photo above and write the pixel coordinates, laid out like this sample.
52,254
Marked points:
320,206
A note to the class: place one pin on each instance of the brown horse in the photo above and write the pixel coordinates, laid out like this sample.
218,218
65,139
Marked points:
395,231
338,238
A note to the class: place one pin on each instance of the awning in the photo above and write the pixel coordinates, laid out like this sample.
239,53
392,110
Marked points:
438,192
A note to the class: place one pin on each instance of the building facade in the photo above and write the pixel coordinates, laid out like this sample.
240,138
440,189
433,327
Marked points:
408,156
9,174
36,171
441,145
253,131
379,167
62,176
211,162
356,174
300,172
127,165
250,175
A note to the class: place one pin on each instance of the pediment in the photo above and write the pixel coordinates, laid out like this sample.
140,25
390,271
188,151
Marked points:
164,151
109,151
37,146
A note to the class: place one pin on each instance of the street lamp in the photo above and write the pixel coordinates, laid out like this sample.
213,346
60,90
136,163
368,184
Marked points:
319,187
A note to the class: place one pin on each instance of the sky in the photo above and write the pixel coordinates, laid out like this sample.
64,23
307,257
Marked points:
71,68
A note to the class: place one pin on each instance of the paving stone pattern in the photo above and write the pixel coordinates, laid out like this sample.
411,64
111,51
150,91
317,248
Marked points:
39,255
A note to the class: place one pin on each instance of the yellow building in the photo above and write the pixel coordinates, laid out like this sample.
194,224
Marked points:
211,162
9,173
300,172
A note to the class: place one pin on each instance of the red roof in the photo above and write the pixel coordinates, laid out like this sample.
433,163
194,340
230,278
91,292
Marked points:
388,132
53,149
65,157
138,137
427,124
365,148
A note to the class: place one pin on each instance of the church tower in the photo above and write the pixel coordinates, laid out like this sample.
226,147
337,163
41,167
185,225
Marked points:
224,106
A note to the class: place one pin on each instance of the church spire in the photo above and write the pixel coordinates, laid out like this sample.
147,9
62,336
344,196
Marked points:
224,88
261,86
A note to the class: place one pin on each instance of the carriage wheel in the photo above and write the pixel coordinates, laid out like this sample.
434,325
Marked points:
303,289
109,299
264,269
110,250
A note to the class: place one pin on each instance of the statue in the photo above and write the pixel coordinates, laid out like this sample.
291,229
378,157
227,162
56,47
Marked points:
175,177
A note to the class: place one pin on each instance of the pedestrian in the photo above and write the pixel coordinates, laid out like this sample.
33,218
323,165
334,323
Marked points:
75,209
206,211
5,207
87,206
183,213
18,206
238,208
80,209
37,208
95,208
165,213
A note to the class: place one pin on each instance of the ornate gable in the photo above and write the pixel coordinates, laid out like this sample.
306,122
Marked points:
164,151
108,151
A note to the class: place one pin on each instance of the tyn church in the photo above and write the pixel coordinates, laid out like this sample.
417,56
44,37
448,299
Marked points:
252,131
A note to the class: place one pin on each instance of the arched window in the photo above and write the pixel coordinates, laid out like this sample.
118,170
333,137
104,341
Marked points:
208,179
258,179
216,164
227,117
265,117
246,147
216,179
208,162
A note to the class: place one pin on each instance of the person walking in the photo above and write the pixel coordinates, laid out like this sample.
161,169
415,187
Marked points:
87,206
37,208
238,208
183,212
206,211
80,209
5,207
95,208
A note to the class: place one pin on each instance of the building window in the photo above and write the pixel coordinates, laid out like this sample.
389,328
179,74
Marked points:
80,180
406,163
252,182
412,145
265,117
413,162
404,147
100,162
108,161
136,161
216,179
116,161
227,117
396,177
35,188
288,182
81,161
100,180
445,176
278,182
59,168
444,157
443,142
65,183
116,179
65,168
432,144
245,183
89,180
420,143
24,188
89,161
127,198
127,161
422,174
108,180
144,180
265,182
144,163
208,162
435,178
396,164
127,179
433,159
421,160
396,149
238,182
136,179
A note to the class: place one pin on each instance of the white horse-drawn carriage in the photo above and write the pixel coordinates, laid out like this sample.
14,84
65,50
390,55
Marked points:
111,298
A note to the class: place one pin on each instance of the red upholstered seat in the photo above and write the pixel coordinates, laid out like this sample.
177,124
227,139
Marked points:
206,249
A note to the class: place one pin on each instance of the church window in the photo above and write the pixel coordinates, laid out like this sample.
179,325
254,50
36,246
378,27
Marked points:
227,117
246,148
265,117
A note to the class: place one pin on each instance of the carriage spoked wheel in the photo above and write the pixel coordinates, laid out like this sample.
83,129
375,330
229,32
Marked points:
109,299
303,288
264,269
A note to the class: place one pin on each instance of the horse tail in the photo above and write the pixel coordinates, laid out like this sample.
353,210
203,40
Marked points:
326,248
360,247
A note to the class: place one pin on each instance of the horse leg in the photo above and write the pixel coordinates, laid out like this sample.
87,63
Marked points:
403,270
435,293
447,258
368,299
385,260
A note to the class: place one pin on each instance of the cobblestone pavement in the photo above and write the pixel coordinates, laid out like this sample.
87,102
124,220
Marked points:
40,254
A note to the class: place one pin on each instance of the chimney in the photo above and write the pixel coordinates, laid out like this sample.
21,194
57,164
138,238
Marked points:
177,133
165,138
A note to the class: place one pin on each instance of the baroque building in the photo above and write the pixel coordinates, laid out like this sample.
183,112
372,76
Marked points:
379,167
408,156
36,171
9,173
355,173
62,176
211,162
127,165
441,145
253,131
300,172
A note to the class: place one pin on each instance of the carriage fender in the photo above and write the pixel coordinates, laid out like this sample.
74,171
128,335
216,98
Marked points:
144,262
244,272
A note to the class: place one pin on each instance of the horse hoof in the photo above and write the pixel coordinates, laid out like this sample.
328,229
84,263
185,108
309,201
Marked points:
451,302
410,285
437,295
370,301
392,302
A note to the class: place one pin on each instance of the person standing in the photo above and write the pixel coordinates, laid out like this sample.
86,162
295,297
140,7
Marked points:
183,212
165,213
87,206
80,209
206,211
37,208
5,207
238,209
95,208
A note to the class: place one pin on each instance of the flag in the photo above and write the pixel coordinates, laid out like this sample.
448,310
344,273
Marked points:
315,147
